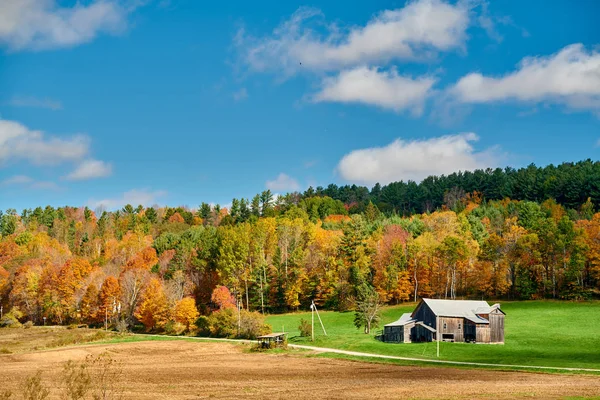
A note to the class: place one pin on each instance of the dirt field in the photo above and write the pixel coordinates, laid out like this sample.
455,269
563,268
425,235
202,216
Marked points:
186,370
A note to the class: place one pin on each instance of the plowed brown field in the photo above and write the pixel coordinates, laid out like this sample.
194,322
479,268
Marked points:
187,370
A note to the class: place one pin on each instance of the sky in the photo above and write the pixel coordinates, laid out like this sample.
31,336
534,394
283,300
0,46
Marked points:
178,102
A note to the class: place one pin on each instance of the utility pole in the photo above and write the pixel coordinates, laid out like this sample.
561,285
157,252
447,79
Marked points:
437,334
312,315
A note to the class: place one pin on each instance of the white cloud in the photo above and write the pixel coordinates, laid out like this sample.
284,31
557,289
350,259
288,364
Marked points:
134,197
305,41
283,182
570,77
385,89
28,182
416,159
90,169
241,94
44,24
17,180
19,101
17,142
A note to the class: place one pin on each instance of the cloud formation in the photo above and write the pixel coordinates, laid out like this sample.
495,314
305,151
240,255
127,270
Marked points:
34,102
28,182
44,24
134,197
384,89
19,143
90,169
283,182
570,77
305,41
17,180
416,159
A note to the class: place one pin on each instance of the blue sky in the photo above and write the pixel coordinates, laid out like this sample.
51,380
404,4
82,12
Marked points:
182,101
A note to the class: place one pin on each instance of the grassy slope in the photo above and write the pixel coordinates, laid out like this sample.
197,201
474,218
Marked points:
541,333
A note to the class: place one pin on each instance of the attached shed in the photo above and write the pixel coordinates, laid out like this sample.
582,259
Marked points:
399,331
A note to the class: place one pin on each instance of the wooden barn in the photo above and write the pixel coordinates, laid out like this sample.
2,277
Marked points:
459,321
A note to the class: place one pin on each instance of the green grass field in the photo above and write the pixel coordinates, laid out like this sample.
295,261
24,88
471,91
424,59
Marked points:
538,333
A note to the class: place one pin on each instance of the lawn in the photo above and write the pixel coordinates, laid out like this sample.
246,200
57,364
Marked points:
538,333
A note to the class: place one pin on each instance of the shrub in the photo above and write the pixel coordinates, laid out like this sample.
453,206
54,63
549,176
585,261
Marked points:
174,328
203,326
28,324
33,388
76,380
224,323
11,318
305,328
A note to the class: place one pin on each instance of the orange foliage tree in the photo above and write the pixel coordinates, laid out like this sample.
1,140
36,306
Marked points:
108,298
223,298
153,311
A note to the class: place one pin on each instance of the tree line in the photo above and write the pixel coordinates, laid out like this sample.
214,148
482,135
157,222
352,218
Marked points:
158,266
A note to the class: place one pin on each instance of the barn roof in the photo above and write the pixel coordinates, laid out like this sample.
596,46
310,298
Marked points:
404,319
468,309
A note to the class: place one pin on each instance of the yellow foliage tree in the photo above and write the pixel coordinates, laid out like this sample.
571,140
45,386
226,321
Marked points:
186,312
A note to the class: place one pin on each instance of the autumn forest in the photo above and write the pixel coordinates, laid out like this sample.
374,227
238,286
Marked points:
530,233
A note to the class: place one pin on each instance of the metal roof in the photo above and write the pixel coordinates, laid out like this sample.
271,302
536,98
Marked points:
426,326
272,335
404,319
461,309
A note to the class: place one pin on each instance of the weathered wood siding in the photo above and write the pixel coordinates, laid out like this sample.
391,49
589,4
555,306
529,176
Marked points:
496,327
483,333
393,334
407,337
423,313
454,326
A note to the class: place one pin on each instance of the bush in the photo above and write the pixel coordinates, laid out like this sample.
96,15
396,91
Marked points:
28,324
224,323
174,328
305,328
11,318
203,326
252,324
34,389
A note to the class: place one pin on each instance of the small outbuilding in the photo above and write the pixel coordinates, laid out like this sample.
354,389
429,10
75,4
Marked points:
459,321
271,340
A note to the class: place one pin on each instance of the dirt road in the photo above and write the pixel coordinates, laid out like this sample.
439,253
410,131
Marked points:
195,370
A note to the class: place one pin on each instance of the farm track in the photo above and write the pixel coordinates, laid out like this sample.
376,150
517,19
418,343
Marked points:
413,359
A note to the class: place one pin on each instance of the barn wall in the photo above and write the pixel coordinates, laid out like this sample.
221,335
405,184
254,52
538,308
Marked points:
453,325
483,333
393,334
497,327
